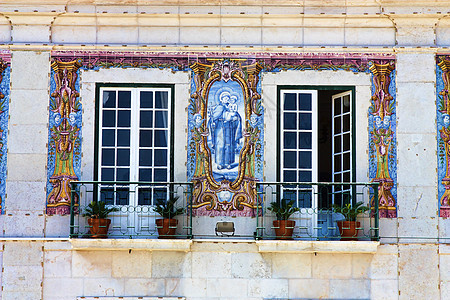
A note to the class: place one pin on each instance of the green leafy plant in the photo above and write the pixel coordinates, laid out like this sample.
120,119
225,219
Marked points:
350,211
283,208
98,210
167,209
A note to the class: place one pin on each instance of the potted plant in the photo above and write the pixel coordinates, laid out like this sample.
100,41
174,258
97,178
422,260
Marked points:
97,214
283,209
349,227
167,226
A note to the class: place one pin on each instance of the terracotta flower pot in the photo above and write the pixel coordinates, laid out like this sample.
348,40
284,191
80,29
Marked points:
284,229
99,228
348,230
166,228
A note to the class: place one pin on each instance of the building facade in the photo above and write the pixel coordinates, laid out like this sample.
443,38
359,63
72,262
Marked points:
226,106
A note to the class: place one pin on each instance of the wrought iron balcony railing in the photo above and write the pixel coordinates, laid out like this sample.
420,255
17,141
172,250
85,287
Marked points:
134,204
319,210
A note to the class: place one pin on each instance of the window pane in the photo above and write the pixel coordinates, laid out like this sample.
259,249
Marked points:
145,196
146,119
305,121
346,138
145,174
161,100
346,161
346,122
290,140
146,100
123,174
305,140
160,175
161,138
290,176
346,103
290,160
160,157
337,163
145,157
123,157
124,118
346,177
160,194
109,118
305,176
337,144
123,137
109,99
161,119
290,121
337,106
145,138
305,159
108,157
108,137
304,102
107,195
107,174
122,195
337,178
290,101
337,125
124,99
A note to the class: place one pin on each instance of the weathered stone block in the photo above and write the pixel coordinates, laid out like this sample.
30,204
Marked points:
384,266
171,264
28,139
84,35
240,36
251,265
268,288
224,287
309,288
200,35
291,265
418,230
62,287
58,264
282,36
25,196
335,266
361,264
349,289
117,35
417,202
186,286
159,35
19,167
144,287
323,36
57,226
30,70
31,33
211,265
23,253
415,67
24,224
423,260
29,106
22,278
104,286
91,264
383,289
132,264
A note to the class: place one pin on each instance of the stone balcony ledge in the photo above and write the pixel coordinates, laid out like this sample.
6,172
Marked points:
183,245
318,246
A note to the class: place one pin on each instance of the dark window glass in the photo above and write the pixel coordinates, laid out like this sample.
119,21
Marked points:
305,176
108,157
124,118
160,195
123,157
122,196
337,144
146,119
290,176
290,140
337,163
145,175
145,157
145,196
290,160
107,195
145,138
161,138
304,102
305,159
109,118
146,100
305,121
337,125
346,138
160,157
123,174
337,106
123,137
161,119
124,99
346,161
346,102
161,100
160,175
109,99
290,101
346,177
108,137
346,123
290,121
107,174
305,140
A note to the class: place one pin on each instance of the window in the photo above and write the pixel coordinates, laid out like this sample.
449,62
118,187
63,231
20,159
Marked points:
315,142
133,142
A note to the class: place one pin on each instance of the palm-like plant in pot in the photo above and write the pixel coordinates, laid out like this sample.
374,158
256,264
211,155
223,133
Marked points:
283,209
349,227
167,226
97,213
